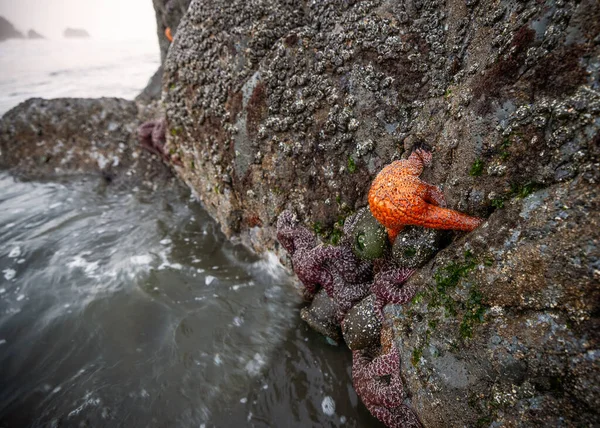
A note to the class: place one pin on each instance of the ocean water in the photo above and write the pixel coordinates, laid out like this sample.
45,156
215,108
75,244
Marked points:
129,308
74,68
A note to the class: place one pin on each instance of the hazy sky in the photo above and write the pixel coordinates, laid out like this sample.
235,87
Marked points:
103,19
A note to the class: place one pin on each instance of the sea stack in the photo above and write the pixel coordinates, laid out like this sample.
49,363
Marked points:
76,33
32,34
8,31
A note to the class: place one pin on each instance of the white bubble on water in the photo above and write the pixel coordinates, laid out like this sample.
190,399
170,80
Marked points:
217,360
9,274
2,342
254,366
20,297
209,279
14,253
243,400
328,406
2,290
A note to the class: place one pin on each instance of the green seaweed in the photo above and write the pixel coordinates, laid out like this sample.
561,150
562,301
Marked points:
474,312
351,165
416,356
498,202
476,168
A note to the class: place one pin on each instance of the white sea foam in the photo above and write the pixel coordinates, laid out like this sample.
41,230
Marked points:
328,406
9,274
14,253
254,366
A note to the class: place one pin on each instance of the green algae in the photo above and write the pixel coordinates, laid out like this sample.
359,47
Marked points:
351,165
476,168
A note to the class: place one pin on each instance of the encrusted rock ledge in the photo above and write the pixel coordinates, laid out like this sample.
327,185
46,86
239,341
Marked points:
49,139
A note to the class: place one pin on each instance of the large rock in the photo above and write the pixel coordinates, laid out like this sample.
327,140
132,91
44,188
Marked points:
76,33
293,104
168,14
32,34
505,330
8,30
50,139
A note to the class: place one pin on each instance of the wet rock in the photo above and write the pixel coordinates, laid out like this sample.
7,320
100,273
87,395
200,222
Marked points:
49,139
506,318
168,15
361,326
414,246
302,103
321,316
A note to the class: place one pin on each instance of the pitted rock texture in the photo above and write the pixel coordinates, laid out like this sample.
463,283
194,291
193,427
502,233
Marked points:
49,139
275,105
505,328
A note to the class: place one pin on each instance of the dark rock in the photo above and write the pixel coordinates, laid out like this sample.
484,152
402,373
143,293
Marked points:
302,103
168,15
32,34
49,139
75,33
507,317
321,316
414,246
361,326
8,31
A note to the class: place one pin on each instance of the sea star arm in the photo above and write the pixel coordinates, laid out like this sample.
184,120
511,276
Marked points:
388,288
444,218
433,195
398,417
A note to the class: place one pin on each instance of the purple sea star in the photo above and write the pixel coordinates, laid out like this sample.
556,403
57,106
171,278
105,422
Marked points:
376,379
345,278
388,287
152,137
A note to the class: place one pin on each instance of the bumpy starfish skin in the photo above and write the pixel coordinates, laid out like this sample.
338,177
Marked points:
388,288
152,137
384,398
343,276
398,198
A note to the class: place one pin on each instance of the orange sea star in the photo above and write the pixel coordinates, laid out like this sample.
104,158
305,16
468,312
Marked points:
168,34
399,198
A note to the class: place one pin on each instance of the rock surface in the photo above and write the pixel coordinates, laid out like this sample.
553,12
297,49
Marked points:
168,15
280,104
49,139
32,34
76,33
8,30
